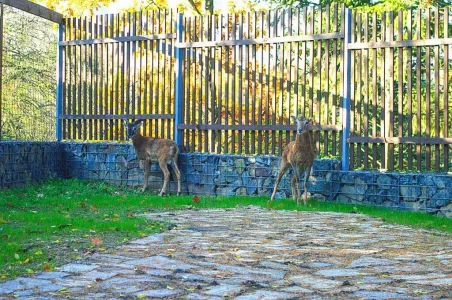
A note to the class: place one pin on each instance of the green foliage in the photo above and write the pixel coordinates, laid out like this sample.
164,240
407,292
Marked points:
29,84
363,5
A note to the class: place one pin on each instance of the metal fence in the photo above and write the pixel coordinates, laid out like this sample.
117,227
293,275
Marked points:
28,83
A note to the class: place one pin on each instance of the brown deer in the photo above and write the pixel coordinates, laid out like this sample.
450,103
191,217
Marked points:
148,149
299,155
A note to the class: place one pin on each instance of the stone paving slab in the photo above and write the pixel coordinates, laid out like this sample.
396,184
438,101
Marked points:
254,253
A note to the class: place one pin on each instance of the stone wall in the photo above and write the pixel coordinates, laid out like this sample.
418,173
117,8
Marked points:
228,175
202,174
22,163
413,191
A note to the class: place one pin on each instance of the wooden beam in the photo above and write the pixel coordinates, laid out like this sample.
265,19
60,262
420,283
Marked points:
121,39
116,117
400,44
400,140
256,127
35,9
259,41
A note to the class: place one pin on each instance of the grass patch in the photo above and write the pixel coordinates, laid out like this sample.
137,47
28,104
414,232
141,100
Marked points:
43,226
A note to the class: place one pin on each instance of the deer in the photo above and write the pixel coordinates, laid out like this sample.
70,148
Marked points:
299,155
148,149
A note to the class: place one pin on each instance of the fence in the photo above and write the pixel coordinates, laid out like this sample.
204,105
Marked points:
400,90
244,75
116,67
230,83
28,63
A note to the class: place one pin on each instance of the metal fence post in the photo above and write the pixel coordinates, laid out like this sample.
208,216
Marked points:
59,91
1,69
178,103
346,90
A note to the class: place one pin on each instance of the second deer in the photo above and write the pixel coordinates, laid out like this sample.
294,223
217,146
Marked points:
299,155
147,149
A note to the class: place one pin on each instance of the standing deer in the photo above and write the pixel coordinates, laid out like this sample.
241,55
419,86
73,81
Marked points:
299,155
148,149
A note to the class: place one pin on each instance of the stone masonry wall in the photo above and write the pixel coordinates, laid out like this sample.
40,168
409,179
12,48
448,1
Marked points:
22,163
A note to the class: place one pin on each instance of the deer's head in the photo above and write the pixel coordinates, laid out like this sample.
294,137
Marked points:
302,124
132,128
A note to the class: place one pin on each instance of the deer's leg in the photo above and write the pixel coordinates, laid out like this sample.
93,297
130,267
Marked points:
306,179
176,170
294,182
166,174
146,166
297,182
284,166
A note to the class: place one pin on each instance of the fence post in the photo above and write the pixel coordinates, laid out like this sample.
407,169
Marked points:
346,89
178,103
1,69
59,91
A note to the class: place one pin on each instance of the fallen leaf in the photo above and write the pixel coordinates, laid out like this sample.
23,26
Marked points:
47,267
96,241
26,261
195,199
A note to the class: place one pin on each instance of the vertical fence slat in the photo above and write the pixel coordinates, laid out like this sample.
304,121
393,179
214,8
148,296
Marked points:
319,84
389,110
400,85
261,85
418,90
253,34
366,91
267,81
280,81
336,92
326,89
409,90
358,103
437,87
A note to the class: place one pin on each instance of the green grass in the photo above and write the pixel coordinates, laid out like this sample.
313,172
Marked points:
43,226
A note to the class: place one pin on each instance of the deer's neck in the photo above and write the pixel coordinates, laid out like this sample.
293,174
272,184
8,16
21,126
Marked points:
304,141
138,140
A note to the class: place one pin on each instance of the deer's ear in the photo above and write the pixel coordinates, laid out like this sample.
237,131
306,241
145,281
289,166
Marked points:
294,119
126,122
138,122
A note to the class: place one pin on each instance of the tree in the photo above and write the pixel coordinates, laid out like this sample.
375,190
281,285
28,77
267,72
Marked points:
363,5
73,8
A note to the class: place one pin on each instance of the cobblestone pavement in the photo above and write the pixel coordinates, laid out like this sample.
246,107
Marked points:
253,253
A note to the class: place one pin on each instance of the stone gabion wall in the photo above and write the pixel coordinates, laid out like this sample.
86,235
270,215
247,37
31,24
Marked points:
223,175
202,174
22,163
412,191
230,175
